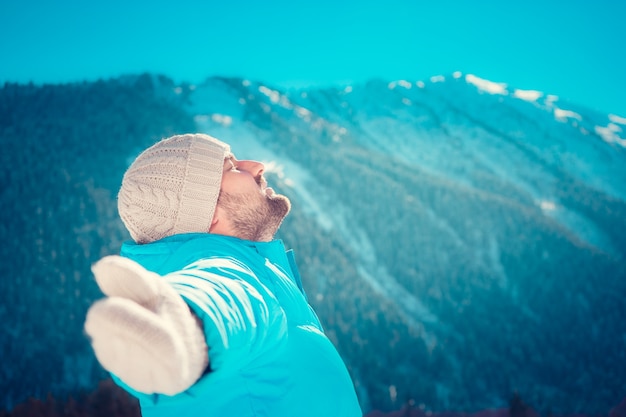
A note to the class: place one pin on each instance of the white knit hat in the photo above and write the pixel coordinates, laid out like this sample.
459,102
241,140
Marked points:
172,187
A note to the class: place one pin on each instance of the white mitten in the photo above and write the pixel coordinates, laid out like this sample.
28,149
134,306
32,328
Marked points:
144,332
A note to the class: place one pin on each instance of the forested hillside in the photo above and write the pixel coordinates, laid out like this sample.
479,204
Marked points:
65,148
459,241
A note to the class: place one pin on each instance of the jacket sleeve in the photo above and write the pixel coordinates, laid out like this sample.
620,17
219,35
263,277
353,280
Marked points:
242,319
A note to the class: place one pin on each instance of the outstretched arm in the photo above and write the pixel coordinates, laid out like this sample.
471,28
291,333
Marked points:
144,332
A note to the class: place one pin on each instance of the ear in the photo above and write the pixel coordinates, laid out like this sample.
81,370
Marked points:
218,219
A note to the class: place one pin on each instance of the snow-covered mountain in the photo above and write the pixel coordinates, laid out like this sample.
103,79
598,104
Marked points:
460,239
484,222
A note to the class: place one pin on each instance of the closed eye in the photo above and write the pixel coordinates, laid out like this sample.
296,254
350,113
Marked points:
233,164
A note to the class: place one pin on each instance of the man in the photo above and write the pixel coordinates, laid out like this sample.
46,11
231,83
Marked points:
205,314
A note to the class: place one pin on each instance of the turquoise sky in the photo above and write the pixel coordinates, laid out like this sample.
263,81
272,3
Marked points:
574,49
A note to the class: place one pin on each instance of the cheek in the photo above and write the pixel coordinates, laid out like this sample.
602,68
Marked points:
240,184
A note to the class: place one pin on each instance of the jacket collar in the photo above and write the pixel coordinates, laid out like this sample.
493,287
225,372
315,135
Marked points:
175,252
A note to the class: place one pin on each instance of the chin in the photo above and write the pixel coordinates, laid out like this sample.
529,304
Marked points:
280,203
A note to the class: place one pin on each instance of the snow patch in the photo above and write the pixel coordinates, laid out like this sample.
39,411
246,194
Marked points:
550,99
405,84
401,83
547,205
609,134
486,85
617,119
275,97
437,79
579,225
222,119
303,113
563,115
457,74
273,167
420,84
527,95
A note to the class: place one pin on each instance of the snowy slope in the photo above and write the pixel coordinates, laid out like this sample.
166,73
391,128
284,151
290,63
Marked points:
478,219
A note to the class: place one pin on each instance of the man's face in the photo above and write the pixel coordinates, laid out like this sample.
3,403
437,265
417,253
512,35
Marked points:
253,209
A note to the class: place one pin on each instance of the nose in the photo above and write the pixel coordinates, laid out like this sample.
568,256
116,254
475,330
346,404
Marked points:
255,168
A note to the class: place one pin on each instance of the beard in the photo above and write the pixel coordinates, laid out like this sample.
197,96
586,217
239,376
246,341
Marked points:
255,218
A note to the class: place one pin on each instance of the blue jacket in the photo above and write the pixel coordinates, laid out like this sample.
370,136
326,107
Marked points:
268,353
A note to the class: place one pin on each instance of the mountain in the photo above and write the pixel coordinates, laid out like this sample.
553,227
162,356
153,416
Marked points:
460,239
